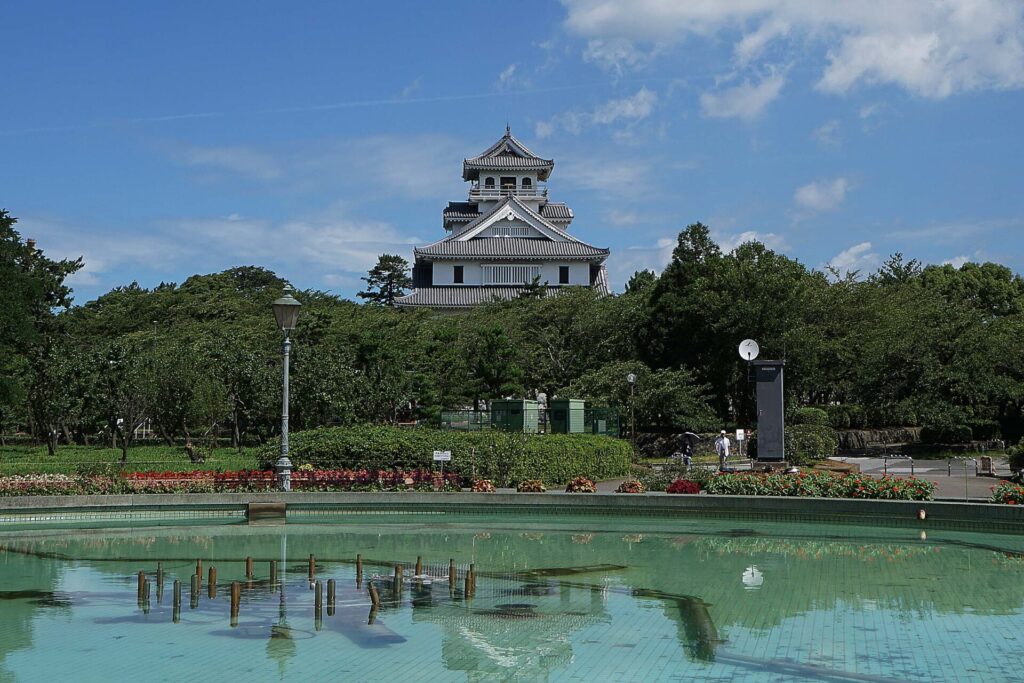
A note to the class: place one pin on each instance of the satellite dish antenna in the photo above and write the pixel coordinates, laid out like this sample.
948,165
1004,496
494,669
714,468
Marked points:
749,349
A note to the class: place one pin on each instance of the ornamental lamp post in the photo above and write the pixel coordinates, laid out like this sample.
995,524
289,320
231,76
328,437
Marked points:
286,311
631,378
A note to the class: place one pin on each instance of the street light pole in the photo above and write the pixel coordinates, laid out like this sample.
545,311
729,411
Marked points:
284,463
631,378
286,311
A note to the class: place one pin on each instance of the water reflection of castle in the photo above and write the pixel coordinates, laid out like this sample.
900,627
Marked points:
517,628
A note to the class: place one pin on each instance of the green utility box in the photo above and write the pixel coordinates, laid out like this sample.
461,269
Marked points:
515,415
567,415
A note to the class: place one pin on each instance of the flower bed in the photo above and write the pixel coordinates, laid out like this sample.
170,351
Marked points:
820,484
1008,493
483,486
631,486
683,486
581,485
202,481
531,486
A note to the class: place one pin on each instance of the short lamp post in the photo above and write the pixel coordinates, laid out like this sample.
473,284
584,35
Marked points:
286,310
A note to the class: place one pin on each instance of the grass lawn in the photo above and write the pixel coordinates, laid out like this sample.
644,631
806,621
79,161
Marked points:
89,459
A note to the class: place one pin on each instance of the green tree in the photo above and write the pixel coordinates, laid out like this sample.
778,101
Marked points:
387,280
32,292
661,399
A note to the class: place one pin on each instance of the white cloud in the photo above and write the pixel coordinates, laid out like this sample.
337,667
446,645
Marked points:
330,246
745,101
618,56
827,134
769,239
610,177
822,195
857,258
631,109
238,160
620,218
957,261
642,257
931,48
508,78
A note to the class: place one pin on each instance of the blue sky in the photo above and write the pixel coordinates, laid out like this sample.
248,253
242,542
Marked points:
159,140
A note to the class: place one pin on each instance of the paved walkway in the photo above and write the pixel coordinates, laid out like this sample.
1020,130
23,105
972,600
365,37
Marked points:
948,475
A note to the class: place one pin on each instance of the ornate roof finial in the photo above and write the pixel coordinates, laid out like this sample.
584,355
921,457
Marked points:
508,129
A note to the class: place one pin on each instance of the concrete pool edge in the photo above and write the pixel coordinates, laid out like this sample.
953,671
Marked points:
311,505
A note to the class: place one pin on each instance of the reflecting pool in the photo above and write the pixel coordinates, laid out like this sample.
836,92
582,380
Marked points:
577,598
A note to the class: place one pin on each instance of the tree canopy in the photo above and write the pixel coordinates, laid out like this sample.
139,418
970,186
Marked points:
907,345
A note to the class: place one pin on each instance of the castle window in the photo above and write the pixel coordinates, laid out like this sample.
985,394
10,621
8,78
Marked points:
527,183
459,275
489,182
563,275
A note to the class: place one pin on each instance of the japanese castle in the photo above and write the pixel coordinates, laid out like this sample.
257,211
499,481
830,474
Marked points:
508,235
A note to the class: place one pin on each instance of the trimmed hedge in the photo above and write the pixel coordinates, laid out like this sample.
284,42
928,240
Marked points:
504,457
935,434
808,442
809,416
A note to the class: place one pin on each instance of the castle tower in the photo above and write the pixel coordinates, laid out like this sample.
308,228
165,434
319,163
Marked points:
506,236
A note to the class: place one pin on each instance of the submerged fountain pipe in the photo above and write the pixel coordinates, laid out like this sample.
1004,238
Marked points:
248,568
330,597
211,588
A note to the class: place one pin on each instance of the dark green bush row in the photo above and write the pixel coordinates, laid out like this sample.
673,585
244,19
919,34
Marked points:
506,458
942,434
807,442
809,416
846,416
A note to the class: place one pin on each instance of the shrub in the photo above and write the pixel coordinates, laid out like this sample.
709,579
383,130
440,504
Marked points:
531,486
483,486
683,486
937,434
502,457
809,416
984,430
806,443
821,484
838,417
1008,493
581,485
1016,456
631,486
900,414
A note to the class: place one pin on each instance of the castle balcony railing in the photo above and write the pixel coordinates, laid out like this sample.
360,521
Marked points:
477,193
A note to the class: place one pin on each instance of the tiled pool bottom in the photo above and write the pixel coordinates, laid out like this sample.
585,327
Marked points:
580,599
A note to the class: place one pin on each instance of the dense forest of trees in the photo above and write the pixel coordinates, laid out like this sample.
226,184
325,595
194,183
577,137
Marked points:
906,345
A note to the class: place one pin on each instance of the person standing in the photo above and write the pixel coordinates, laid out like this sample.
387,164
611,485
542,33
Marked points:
722,445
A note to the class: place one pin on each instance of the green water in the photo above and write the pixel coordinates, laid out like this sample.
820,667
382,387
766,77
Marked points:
588,598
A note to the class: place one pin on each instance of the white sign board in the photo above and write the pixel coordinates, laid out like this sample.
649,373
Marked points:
442,456
740,435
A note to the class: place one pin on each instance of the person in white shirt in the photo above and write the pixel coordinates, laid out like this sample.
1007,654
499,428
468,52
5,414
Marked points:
722,445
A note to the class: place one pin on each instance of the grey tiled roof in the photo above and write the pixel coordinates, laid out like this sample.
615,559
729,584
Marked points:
556,212
460,211
512,248
507,154
463,296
